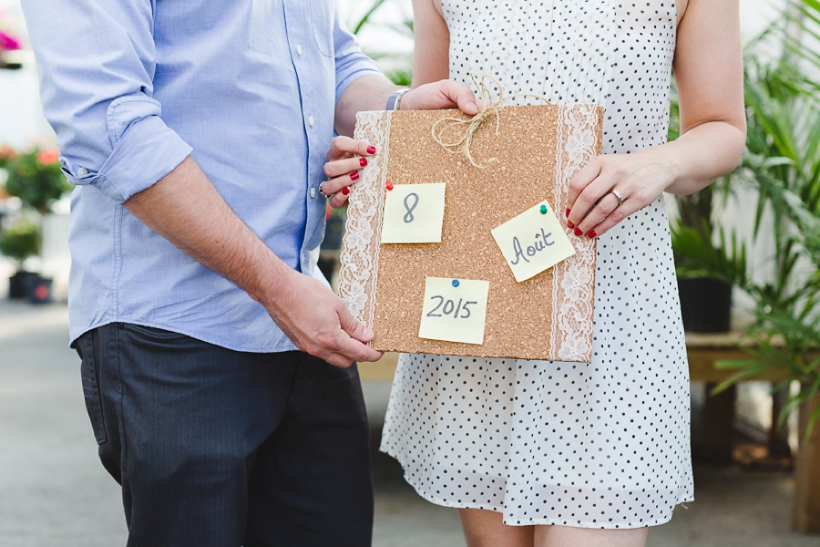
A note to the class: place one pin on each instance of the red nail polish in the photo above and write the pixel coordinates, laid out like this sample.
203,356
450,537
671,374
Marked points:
345,190
591,234
363,162
567,213
578,232
389,185
570,224
371,149
354,175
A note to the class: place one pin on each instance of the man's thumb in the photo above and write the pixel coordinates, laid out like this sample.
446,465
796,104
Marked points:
354,328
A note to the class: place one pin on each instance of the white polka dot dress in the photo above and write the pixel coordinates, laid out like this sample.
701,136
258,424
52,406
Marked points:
598,445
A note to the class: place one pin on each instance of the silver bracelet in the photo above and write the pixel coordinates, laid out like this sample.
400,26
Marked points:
394,101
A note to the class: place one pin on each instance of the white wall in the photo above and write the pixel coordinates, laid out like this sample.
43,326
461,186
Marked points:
21,118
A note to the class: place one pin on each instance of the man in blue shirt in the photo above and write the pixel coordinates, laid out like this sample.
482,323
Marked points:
216,362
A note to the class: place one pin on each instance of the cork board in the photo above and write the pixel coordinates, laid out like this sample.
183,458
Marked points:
539,149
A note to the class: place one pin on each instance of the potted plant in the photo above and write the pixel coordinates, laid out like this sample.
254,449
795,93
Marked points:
8,42
36,178
19,242
705,293
782,164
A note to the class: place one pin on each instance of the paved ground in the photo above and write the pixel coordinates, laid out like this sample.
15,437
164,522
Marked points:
54,493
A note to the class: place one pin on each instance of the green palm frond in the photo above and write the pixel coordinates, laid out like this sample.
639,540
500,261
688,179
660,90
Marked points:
367,15
782,163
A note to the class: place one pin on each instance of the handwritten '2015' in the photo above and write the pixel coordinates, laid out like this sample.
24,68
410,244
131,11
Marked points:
451,308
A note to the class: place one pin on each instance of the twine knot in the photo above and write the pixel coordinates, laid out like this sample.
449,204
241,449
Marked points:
489,108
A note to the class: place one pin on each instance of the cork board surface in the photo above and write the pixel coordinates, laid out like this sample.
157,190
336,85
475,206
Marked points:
519,315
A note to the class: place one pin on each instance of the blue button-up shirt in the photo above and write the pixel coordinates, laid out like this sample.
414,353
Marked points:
132,87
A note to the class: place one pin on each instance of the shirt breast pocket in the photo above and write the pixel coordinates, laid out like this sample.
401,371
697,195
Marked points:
323,15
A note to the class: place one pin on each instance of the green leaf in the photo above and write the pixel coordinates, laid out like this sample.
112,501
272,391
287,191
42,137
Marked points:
366,17
20,241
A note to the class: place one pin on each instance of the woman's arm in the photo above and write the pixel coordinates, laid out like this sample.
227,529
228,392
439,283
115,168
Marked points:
431,56
709,75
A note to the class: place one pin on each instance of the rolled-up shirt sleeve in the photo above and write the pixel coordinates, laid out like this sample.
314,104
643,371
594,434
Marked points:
351,63
96,61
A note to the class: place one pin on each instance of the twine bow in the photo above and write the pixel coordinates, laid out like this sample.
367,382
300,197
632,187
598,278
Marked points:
489,109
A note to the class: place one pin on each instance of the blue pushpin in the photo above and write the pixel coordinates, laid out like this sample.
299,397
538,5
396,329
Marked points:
455,282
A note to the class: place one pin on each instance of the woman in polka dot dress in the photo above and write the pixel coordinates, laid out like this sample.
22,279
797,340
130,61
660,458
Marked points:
567,454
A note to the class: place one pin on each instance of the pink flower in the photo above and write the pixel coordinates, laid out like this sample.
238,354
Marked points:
7,152
47,157
8,42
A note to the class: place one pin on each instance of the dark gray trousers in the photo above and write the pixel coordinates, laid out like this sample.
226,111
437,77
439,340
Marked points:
220,448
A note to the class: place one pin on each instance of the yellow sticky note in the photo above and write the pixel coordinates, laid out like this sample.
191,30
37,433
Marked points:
533,241
454,310
413,213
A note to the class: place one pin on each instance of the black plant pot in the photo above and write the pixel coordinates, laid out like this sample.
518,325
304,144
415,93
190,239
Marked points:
39,290
19,282
706,304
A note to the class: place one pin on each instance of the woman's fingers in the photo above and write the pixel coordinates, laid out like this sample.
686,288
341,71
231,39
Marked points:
589,202
339,188
345,147
627,207
611,188
340,184
346,157
582,179
606,207
341,167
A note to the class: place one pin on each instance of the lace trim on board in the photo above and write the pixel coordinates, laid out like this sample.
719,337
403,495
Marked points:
360,252
573,285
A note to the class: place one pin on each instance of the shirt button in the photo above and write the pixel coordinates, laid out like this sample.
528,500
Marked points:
310,121
299,49
313,192
82,171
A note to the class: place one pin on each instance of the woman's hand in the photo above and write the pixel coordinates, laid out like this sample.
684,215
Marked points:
594,205
345,158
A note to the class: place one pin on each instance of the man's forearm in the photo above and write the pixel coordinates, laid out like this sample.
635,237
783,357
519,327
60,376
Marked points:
185,208
366,93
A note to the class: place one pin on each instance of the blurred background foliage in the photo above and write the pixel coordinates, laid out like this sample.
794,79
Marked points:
781,164
400,65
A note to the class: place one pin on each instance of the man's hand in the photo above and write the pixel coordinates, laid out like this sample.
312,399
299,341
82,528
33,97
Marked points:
441,94
317,321
371,93
314,318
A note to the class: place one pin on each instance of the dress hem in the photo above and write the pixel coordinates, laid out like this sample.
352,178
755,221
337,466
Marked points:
533,522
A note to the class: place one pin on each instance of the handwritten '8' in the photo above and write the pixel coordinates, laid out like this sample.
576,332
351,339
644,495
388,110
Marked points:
408,216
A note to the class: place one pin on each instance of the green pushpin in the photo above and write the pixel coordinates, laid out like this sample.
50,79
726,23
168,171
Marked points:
544,209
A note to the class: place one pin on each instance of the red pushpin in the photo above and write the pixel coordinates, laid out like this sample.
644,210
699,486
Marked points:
389,185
